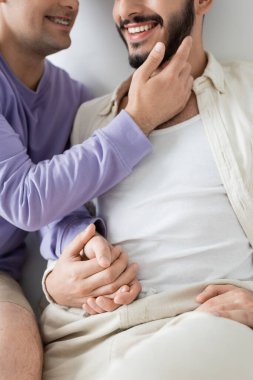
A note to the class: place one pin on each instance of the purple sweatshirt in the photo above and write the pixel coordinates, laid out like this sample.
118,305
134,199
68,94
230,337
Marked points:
39,183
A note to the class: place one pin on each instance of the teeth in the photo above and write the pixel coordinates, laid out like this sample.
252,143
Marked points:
60,21
140,29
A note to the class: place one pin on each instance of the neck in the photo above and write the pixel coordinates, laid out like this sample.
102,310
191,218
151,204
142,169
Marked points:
26,67
198,57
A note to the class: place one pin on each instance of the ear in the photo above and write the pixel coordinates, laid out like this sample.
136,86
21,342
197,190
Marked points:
202,6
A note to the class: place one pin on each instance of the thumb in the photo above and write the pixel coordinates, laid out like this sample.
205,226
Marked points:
73,249
152,62
99,248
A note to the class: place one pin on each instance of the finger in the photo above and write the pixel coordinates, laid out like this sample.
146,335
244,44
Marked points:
102,252
91,302
215,307
125,298
123,289
111,296
116,251
235,298
152,62
213,291
236,315
243,317
100,277
182,54
87,268
125,277
88,309
106,304
72,251
185,72
189,85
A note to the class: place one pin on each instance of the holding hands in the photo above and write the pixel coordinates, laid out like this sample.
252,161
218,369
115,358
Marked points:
98,279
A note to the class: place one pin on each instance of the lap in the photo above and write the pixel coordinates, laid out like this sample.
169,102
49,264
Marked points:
196,346
148,330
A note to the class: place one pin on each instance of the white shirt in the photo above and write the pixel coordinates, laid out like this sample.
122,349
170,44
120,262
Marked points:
173,217
225,100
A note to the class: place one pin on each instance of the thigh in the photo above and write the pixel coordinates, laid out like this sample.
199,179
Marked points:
11,292
193,346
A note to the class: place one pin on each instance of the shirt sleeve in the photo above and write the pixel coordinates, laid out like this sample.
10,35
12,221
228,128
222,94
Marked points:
33,195
55,236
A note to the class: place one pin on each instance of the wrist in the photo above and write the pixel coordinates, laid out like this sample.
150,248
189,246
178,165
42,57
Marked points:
145,127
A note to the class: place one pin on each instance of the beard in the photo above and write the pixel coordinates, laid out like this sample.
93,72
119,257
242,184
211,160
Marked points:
179,26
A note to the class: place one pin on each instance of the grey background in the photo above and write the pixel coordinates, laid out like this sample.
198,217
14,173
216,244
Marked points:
98,57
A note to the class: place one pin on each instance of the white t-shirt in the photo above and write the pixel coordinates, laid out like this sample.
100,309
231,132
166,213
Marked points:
173,217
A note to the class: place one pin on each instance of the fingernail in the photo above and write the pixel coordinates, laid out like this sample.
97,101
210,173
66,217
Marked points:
104,262
159,47
124,289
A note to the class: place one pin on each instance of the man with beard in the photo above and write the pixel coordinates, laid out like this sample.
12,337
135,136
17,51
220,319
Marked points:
38,183
185,215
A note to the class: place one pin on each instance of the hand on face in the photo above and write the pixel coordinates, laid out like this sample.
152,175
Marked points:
155,99
228,301
74,281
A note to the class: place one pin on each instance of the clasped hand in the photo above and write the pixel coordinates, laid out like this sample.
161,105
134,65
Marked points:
101,281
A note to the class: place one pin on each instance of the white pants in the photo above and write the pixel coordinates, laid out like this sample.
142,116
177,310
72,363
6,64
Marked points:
156,338
193,346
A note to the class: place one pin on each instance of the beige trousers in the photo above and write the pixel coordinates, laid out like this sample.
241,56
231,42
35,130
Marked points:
158,337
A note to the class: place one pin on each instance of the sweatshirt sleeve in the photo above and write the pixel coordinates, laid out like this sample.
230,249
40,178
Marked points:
33,195
55,236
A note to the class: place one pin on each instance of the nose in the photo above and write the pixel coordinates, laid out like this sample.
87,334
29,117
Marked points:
124,9
71,4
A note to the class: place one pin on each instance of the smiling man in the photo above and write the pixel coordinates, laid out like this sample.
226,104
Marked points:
141,32
38,183
185,215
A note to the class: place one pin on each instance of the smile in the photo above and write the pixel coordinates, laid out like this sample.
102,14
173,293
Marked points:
60,20
140,29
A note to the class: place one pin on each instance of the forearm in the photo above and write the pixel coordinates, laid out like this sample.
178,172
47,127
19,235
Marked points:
33,195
